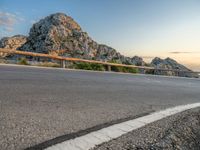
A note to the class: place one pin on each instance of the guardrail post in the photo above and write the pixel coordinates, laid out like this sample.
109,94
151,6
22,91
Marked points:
108,68
63,64
176,73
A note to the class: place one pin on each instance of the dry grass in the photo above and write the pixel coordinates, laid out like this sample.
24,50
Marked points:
49,64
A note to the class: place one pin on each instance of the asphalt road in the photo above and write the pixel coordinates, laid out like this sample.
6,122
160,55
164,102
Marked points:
37,104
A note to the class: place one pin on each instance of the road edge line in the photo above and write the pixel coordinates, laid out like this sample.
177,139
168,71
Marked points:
90,140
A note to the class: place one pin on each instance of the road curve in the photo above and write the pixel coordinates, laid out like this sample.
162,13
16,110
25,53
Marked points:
38,104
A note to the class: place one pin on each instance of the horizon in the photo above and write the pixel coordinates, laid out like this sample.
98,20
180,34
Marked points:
148,29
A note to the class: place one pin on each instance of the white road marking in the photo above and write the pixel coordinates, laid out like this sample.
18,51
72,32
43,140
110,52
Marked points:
95,138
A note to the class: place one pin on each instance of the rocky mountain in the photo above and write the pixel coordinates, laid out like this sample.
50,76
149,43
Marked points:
13,42
59,34
171,64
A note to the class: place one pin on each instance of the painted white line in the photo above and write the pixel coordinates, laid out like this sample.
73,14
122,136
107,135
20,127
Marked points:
95,138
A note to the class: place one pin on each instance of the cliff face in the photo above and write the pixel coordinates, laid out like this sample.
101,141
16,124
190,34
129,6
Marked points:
169,63
59,34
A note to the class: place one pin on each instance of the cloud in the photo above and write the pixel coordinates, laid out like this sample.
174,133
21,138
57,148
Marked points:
184,52
8,20
8,29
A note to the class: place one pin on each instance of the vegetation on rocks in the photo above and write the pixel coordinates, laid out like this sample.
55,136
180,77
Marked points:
23,61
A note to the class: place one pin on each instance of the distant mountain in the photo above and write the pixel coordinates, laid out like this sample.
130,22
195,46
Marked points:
171,64
58,34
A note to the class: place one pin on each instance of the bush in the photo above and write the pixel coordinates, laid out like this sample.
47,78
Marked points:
100,67
97,67
23,61
124,69
89,66
150,72
131,70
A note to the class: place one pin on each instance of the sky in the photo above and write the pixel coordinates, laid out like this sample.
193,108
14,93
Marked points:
147,28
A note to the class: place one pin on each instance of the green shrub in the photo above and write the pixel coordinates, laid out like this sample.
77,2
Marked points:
131,70
124,69
116,69
114,61
23,61
150,72
100,67
89,66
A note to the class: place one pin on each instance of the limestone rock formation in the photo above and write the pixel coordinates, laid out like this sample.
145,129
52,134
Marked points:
138,61
13,42
59,34
175,68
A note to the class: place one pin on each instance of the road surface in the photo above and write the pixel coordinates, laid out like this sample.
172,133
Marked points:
37,104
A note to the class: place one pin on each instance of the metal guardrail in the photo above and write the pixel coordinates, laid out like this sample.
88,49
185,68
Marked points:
64,59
